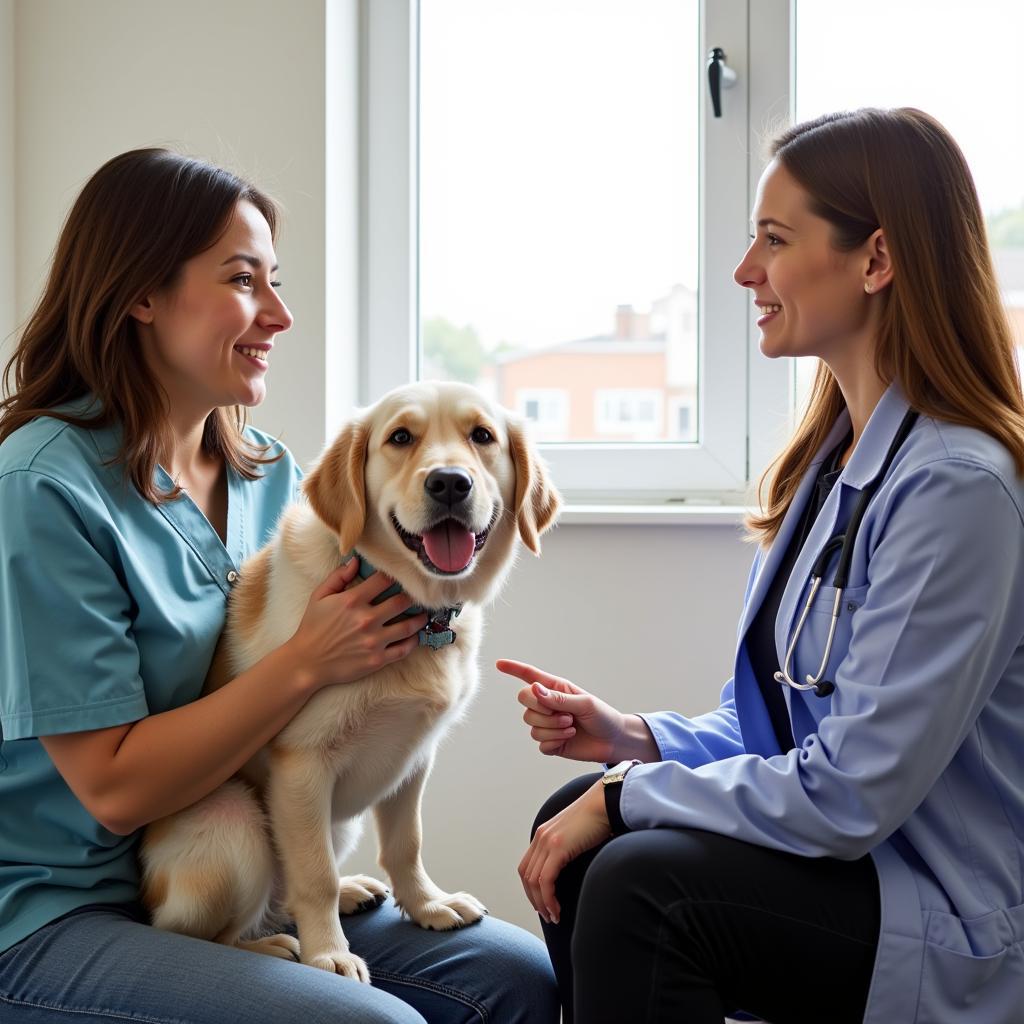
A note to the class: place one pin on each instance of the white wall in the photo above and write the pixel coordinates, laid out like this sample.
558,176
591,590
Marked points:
645,616
7,302
238,83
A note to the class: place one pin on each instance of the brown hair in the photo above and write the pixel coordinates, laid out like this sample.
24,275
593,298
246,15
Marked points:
138,219
944,334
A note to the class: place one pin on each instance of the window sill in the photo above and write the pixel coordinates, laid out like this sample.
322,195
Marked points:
663,514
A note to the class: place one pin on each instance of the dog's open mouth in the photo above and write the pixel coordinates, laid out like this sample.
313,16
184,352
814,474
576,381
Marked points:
448,547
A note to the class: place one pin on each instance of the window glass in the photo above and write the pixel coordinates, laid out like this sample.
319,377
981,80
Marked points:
558,203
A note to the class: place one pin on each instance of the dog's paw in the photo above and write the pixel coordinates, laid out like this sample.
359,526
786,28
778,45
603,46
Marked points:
284,946
445,911
340,961
359,893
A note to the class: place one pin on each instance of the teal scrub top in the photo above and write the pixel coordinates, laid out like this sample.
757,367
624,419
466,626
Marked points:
110,609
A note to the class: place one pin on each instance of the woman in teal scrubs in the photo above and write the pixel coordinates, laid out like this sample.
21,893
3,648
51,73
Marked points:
130,495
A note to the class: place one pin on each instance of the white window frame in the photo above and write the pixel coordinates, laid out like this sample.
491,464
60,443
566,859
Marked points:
745,402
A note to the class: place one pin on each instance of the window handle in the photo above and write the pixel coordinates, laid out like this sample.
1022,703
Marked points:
720,76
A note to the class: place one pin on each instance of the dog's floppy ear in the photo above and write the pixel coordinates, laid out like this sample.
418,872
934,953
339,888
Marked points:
536,502
336,488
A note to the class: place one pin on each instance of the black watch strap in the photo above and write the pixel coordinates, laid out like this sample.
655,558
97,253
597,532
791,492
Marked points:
612,796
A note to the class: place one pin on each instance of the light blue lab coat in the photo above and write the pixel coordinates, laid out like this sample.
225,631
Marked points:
918,756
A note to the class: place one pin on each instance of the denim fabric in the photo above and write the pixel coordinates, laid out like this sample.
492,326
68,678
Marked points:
103,963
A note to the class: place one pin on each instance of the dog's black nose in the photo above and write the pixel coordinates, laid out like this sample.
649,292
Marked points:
449,485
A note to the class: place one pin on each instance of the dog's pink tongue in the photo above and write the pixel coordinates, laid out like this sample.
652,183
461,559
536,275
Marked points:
449,546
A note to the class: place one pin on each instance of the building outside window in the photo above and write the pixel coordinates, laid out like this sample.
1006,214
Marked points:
547,409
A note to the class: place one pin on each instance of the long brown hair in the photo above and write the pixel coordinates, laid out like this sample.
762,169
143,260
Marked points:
944,335
138,219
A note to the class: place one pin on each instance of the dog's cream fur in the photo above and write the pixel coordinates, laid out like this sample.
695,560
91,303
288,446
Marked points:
211,870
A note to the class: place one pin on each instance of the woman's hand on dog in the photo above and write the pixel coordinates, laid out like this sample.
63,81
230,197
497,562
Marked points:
567,721
343,636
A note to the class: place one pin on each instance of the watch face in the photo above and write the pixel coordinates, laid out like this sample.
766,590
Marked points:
618,773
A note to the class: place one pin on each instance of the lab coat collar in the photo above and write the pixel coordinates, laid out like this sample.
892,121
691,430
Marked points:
758,733
864,464
791,521
866,461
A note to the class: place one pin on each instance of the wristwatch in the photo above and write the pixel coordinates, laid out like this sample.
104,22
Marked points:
612,781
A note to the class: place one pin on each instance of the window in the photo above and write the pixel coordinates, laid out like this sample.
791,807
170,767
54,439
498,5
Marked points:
537,179
550,205
546,199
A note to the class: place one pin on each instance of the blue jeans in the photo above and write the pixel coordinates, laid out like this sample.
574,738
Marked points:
104,963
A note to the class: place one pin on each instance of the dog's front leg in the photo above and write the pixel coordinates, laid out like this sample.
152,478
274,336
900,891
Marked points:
400,831
300,787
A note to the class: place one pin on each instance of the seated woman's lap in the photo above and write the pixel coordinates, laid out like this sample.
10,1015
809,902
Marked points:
692,924
491,971
104,963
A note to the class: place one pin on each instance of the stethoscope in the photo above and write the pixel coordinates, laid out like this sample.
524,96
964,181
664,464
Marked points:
844,544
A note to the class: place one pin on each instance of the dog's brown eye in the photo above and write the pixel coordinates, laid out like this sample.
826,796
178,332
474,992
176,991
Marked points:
481,435
400,436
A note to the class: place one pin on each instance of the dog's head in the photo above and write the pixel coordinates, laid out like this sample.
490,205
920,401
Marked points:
433,484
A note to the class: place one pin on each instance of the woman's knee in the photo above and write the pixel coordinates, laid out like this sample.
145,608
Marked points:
491,971
561,798
357,1005
522,983
686,854
635,876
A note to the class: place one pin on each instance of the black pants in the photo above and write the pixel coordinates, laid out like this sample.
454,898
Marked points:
681,926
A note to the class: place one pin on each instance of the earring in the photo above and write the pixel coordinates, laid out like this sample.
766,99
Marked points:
868,287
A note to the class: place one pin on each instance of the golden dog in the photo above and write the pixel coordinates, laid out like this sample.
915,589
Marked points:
434,486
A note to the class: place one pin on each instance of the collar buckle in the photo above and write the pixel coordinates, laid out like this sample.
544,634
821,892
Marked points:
437,633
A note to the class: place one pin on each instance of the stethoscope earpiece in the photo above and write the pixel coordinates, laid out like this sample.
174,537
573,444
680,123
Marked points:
824,688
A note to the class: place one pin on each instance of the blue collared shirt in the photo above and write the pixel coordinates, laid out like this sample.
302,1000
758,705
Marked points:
110,609
916,759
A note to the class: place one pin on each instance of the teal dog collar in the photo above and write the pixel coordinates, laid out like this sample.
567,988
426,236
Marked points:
437,632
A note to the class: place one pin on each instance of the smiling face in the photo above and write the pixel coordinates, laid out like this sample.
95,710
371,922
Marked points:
439,475
811,297
432,485
207,337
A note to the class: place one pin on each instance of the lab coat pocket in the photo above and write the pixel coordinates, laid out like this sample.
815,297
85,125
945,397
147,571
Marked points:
952,982
814,636
971,970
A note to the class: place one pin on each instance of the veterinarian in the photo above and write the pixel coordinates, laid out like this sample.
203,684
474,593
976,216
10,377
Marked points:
843,838
130,495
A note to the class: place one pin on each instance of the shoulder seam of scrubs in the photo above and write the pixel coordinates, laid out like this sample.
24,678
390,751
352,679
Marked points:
59,426
53,480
